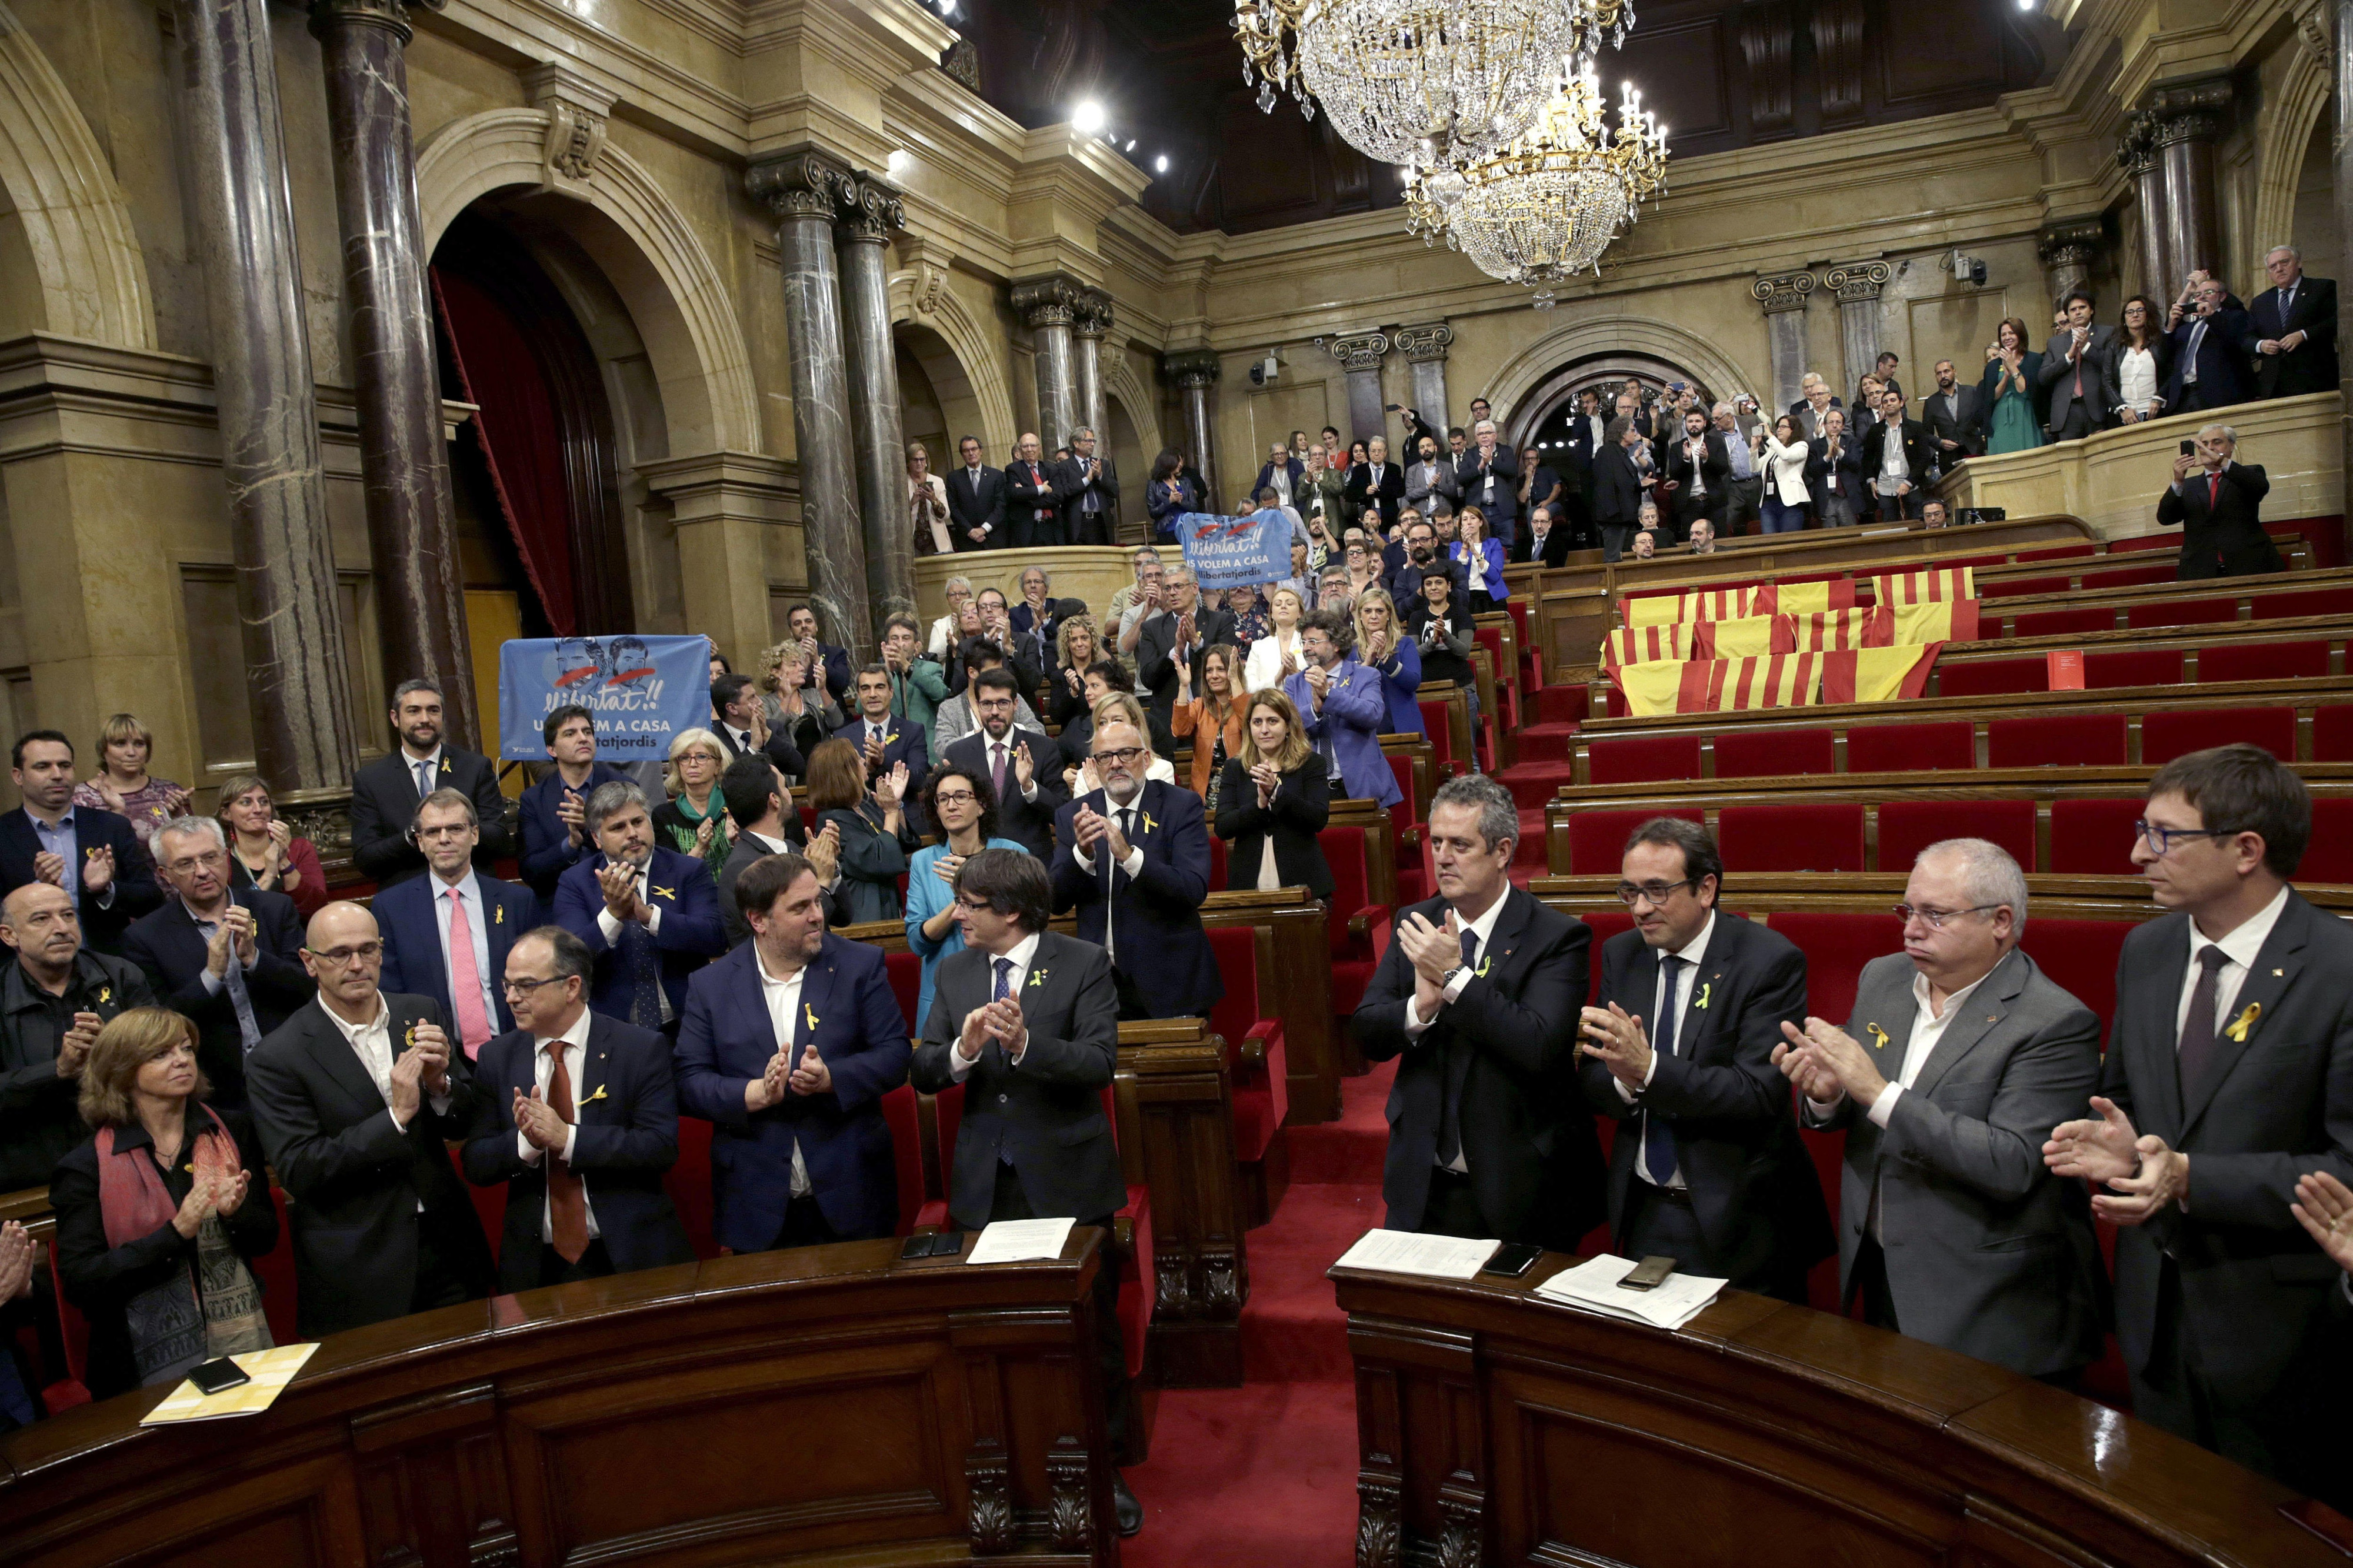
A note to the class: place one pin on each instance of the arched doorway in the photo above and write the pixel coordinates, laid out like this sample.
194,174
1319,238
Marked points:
937,403
1133,464
1540,420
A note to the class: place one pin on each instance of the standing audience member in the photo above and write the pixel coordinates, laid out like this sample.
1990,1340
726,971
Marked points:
2217,503
1023,767
1479,560
1213,719
57,995
964,807
446,934
1281,473
1429,476
1815,399
122,785
1274,798
1387,650
649,915
94,855
975,498
1618,484
739,723
385,792
1274,658
1375,485
1033,509
761,806
1089,493
915,685
266,852
692,820
2012,372
1184,635
2292,329
1547,539
1036,620
1835,468
929,520
1438,624
2076,371
1898,455
884,738
873,827
1696,468
2142,364
1788,495
1954,416
1744,478
1344,710
554,837
1487,477
2207,337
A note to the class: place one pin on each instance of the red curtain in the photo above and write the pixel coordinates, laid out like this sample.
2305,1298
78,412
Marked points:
519,435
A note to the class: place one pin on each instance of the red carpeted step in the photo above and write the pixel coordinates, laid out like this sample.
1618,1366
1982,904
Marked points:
1533,783
1545,743
1243,1478
1529,853
1346,1152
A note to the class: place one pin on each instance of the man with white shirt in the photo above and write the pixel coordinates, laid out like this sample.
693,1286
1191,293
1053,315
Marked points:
760,804
975,500
2229,1077
1022,764
1487,476
1706,1168
579,1122
356,1097
1960,1048
1028,1020
385,792
650,916
447,934
1743,478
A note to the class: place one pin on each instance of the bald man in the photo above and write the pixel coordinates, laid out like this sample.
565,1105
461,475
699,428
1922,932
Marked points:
355,1096
53,1001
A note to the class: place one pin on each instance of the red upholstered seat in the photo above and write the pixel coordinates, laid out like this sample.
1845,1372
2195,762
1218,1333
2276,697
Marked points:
1837,946
1752,754
1910,748
2332,733
898,1115
1606,922
1405,817
2329,857
1908,826
1217,863
1507,686
2092,837
906,973
1356,925
1438,728
1597,840
1992,676
2131,576
1815,836
1644,759
2016,586
2056,739
2302,601
2165,735
2062,623
2080,956
1261,1093
2180,613
2133,667
2263,660
2144,541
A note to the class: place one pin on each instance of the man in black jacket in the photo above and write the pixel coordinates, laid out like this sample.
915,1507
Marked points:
2217,503
1955,415
2292,329
1617,489
1897,475
1375,485
1089,492
2077,367
95,856
384,793
1546,539
975,500
1033,505
1706,1168
54,999
1697,469
1188,631
1022,766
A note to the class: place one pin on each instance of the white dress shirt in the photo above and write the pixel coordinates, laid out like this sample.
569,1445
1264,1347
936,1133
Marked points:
1133,864
431,759
1687,985
611,927
784,998
372,1043
543,1073
1022,952
1482,929
1894,471
2136,379
2242,946
478,923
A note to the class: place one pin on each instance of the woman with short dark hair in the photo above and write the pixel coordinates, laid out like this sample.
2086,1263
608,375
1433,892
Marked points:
1169,495
875,837
964,807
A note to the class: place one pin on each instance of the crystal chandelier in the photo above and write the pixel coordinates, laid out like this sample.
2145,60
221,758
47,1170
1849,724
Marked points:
1419,81
1547,205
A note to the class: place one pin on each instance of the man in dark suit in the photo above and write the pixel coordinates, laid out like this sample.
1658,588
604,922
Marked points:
229,958
1132,858
884,739
1706,1168
1028,1020
2229,1074
446,934
1033,504
56,995
1035,621
2292,329
356,1097
1834,472
2076,368
1896,456
1374,485
93,855
1955,415
742,724
1545,540
788,1045
1089,492
1487,476
579,1122
1815,400
1617,489
2217,503
800,627
1477,994
1696,468
548,815
1023,767
1588,430
650,916
759,804
975,500
2209,359
384,793
1188,631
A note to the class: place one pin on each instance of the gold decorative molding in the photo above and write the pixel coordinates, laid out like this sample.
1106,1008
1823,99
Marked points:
1786,292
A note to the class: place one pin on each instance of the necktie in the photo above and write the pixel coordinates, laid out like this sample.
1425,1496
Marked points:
2197,334
423,780
996,769
642,964
2197,1039
1458,1067
567,1195
2213,489
240,999
1659,1155
1004,986
466,979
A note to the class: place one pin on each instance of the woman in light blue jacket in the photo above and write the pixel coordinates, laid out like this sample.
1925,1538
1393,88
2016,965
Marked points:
964,807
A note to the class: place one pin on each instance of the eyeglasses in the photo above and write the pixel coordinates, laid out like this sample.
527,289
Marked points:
187,863
344,957
526,987
2161,840
1937,917
955,797
1124,755
1656,892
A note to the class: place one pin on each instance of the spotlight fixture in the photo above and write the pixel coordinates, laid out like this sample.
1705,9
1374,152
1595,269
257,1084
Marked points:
1088,118
1131,145
1160,165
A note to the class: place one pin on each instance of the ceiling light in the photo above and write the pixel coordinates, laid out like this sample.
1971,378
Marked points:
1131,145
899,162
1088,118
1160,165
947,7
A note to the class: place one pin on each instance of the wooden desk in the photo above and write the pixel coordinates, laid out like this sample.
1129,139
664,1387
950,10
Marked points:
1499,1427
825,1404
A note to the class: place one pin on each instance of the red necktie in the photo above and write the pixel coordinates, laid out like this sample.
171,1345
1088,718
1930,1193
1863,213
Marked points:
466,979
567,1197
2213,488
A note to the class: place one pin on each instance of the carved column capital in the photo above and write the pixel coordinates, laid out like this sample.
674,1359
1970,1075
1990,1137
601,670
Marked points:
2189,112
388,14
577,112
1359,351
1786,292
2313,30
1192,369
804,183
870,211
1422,344
2071,242
1090,316
1857,282
1048,301
2137,148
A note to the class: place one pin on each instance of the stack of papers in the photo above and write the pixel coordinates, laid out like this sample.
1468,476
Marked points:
1403,1252
271,1370
1593,1285
1020,1240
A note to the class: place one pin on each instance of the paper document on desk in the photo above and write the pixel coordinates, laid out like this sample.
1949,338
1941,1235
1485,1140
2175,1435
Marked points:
270,1370
1020,1240
1594,1284
1404,1252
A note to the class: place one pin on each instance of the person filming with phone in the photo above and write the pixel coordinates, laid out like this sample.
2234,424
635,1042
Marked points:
2217,502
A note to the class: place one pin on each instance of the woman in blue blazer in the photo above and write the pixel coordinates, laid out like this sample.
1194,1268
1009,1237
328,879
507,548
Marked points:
1383,648
965,807
1481,560
1168,496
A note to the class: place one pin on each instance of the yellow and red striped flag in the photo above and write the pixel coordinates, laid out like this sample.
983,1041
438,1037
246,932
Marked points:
1934,586
1656,689
1647,645
1721,603
1775,680
1746,638
1831,630
1946,622
1651,609
1814,598
1878,674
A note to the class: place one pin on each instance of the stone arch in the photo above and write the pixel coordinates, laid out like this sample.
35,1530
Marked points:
1122,384
86,254
643,244
978,356
2298,114
1527,370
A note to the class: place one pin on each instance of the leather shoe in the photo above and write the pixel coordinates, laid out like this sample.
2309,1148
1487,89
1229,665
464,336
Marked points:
1125,1510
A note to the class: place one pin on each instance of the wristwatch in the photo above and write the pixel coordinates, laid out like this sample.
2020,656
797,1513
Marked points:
1446,981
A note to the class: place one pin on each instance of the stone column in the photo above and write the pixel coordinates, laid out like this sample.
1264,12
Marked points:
2068,248
804,189
2160,278
1194,371
1425,349
2189,119
870,214
1361,353
1784,299
1858,285
404,468
1090,319
1047,306
242,221
2344,150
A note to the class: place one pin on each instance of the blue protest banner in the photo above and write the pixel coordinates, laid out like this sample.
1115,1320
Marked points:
642,689
1235,552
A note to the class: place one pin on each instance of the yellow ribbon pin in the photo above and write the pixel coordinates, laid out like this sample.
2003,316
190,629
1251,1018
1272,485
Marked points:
1878,1036
499,916
1481,970
1705,991
105,994
2244,1022
811,1014
595,1097
409,1040
665,892
1036,978
1150,825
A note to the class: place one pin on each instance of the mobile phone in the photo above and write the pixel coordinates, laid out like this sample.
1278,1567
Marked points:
1512,1260
218,1376
2190,449
1649,1274
942,1244
1396,407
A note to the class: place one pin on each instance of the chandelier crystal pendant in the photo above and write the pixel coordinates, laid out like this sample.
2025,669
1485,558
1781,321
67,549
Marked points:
1545,207
1419,83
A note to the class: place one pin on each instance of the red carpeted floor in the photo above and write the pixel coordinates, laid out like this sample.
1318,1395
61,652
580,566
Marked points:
1266,1474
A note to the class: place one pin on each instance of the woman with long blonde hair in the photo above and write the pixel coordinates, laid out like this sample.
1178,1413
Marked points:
1273,798
1382,644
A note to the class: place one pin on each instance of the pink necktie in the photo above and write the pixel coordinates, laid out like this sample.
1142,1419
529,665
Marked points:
466,979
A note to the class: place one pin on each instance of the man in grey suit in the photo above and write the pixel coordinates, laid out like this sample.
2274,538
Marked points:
2075,372
1950,1227
2229,1077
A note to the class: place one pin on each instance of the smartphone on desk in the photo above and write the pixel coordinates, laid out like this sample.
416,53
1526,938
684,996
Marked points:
1512,1260
1649,1274
218,1376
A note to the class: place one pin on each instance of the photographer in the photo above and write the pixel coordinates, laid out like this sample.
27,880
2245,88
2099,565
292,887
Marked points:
2217,501
2208,367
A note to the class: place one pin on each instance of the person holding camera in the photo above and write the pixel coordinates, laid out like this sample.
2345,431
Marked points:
2217,501
2209,368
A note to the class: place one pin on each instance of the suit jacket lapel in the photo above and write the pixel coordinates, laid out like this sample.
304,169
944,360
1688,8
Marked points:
817,991
1886,1031
595,1066
2156,1080
2268,978
334,1053
1972,1018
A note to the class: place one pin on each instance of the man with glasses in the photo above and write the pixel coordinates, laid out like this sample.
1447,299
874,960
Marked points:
355,1098
579,1122
1132,858
649,915
446,934
1023,767
2229,1076
229,958
1342,708
1960,1051
1706,1168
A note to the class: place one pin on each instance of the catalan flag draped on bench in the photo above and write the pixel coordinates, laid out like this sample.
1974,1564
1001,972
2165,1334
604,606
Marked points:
1740,601
1722,684
1647,645
1746,638
1831,629
1935,585
1946,621
1878,674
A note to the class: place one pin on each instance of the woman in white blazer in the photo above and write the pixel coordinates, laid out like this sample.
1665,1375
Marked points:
1785,499
1266,665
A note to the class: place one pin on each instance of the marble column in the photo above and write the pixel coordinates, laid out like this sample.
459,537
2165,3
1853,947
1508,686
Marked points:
2068,249
1857,286
1425,348
2188,120
241,221
420,595
1361,353
1090,319
870,214
1047,306
1194,371
2160,278
803,190
2343,193
1784,299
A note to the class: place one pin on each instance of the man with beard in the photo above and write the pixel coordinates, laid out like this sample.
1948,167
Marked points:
1022,766
385,793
